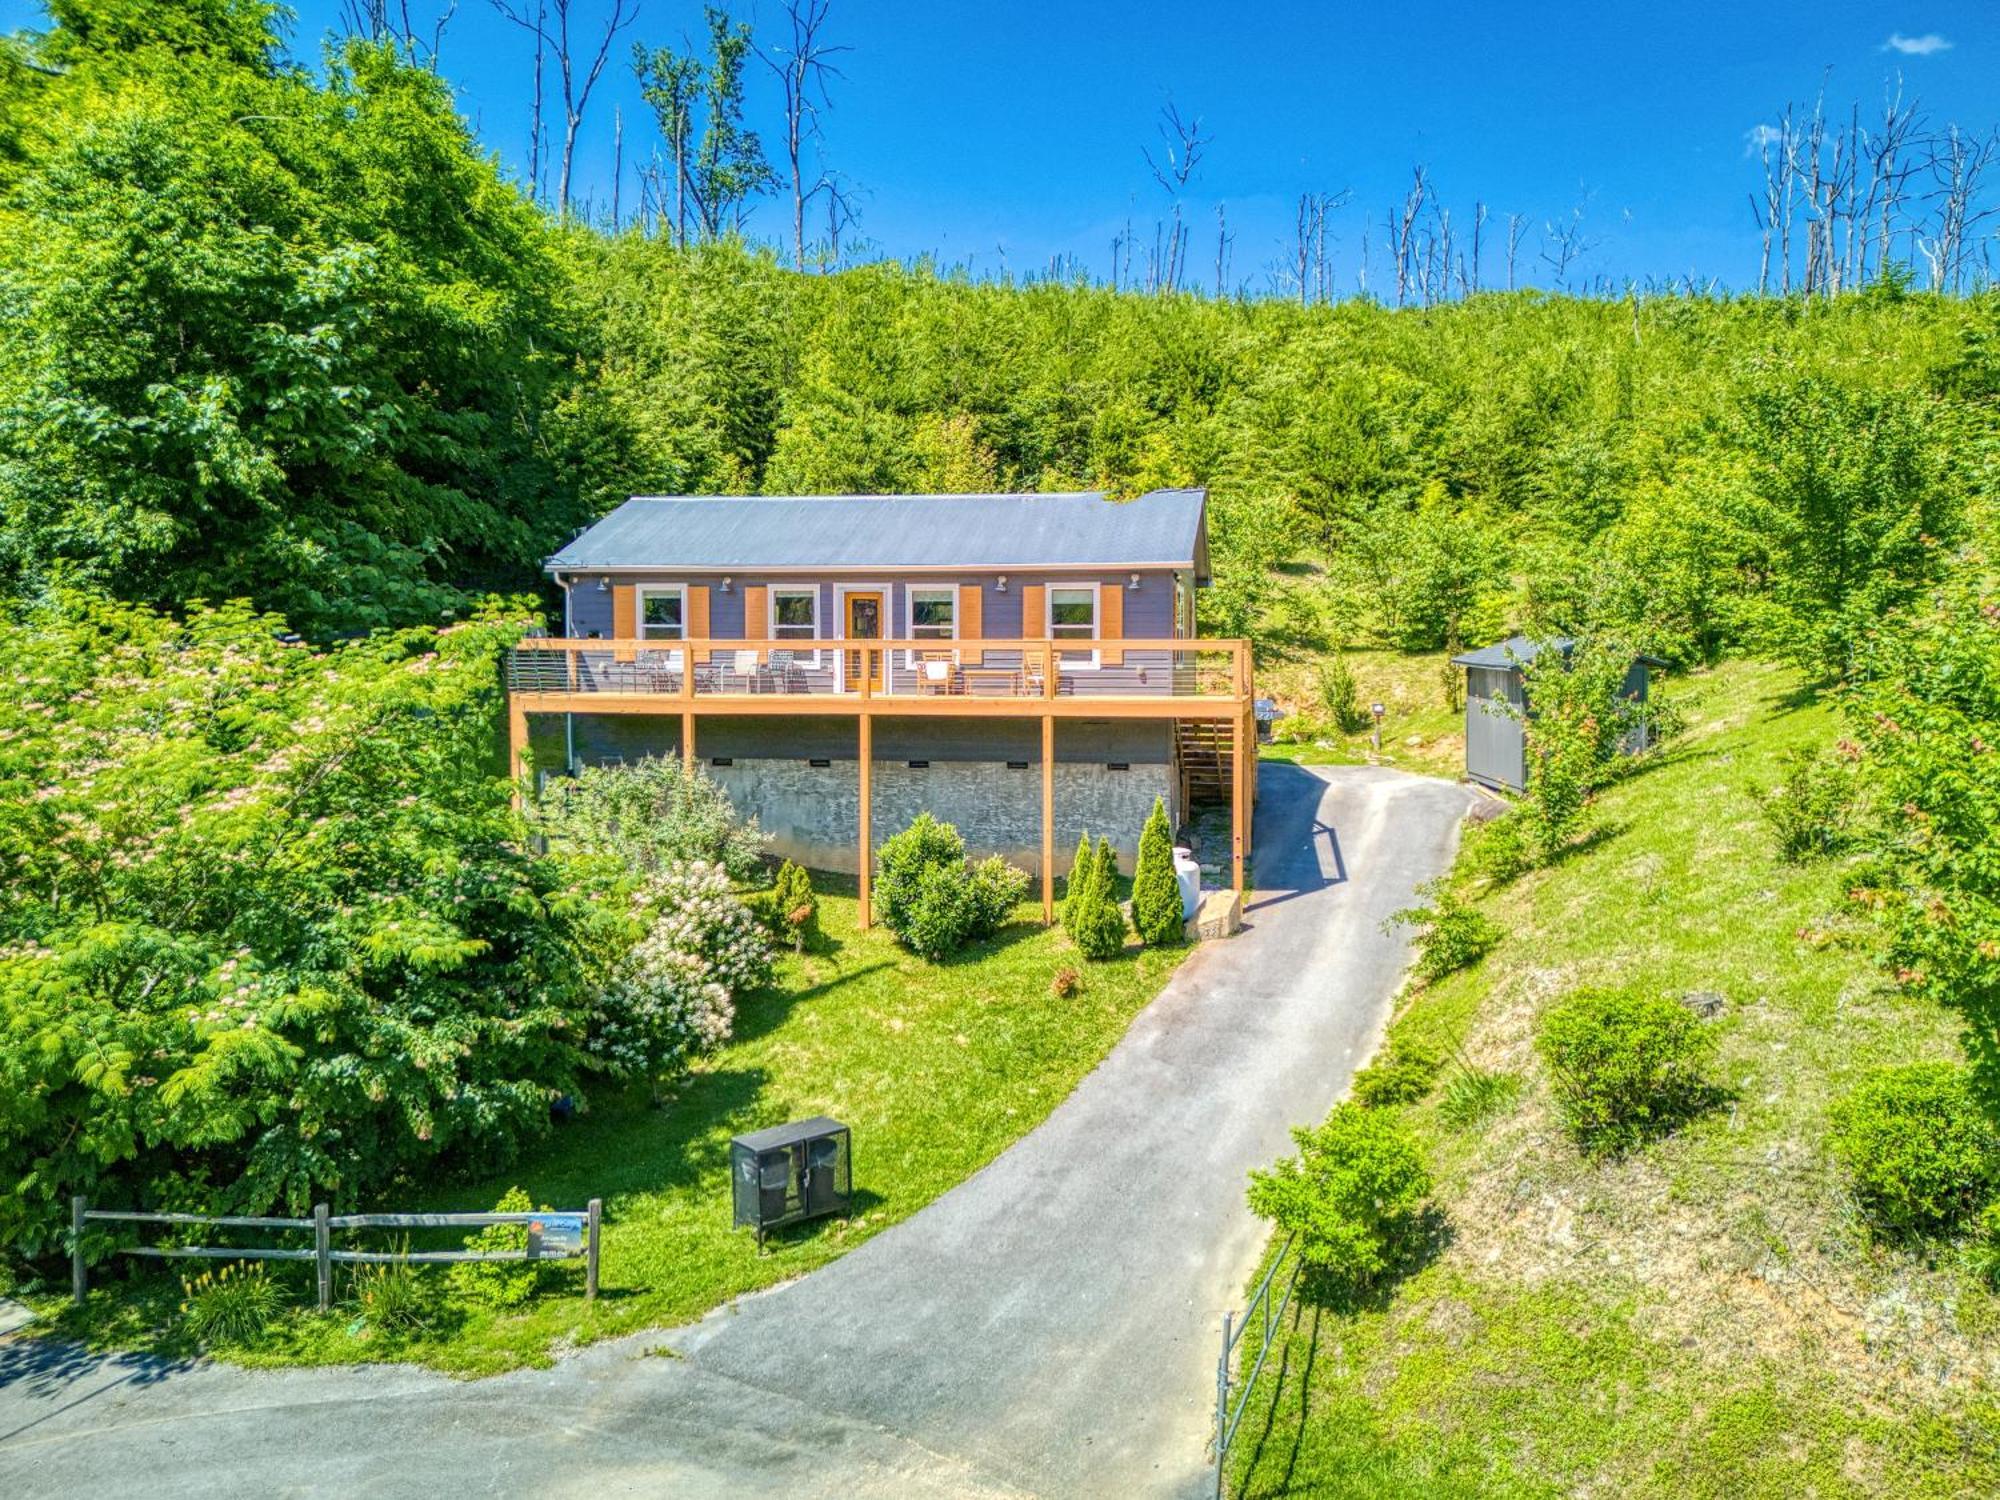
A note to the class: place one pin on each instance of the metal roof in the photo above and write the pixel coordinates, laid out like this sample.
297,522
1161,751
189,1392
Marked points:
712,533
773,1136
1519,650
1516,650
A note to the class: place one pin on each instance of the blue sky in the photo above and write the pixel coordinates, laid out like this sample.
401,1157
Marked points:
1002,134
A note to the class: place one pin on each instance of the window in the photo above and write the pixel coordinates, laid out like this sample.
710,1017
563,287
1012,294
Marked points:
933,614
1073,617
661,613
794,614
933,617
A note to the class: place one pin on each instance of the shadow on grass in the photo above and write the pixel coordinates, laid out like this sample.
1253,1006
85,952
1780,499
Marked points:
1613,1143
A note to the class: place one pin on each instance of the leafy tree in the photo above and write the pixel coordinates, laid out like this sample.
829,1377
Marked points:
1926,711
1156,893
269,927
1854,500
1098,925
1580,725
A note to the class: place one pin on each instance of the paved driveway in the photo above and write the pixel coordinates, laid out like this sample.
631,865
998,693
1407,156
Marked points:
1047,1328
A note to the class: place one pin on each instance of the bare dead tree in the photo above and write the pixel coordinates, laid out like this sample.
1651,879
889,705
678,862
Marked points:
617,163
1478,228
1564,243
1402,231
1958,162
395,22
1517,226
802,68
1223,240
549,21
1181,149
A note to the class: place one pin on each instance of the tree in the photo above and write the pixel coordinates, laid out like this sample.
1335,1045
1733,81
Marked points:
802,69
1156,892
1354,1196
549,24
1099,922
716,175
1076,890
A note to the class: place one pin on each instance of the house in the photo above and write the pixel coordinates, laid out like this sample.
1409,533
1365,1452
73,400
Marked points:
1024,666
1497,709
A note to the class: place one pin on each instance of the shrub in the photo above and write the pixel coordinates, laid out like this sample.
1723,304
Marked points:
1354,1195
929,897
232,1305
1811,809
1339,698
1985,1256
1067,982
1099,924
649,814
1625,1065
1402,1074
1472,1095
499,1283
1577,734
1921,1153
793,908
1500,850
1156,894
671,998
1080,870
1449,933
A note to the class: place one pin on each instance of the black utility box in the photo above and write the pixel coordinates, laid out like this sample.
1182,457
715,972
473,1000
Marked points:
791,1172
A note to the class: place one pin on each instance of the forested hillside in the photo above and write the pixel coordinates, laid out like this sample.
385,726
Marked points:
288,334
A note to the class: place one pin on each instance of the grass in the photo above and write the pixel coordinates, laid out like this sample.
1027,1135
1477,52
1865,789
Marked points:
937,1068
1420,731
1706,1317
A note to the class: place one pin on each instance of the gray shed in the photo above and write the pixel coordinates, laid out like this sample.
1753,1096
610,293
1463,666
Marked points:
1496,703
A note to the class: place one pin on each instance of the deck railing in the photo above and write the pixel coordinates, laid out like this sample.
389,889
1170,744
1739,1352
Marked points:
693,670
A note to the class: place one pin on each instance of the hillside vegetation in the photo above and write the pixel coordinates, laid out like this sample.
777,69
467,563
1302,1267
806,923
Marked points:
1709,1316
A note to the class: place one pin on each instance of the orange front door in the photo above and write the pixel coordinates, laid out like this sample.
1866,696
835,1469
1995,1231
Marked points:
864,623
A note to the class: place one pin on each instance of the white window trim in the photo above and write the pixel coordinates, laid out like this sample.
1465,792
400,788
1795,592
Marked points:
910,592
640,593
771,593
1096,624
840,593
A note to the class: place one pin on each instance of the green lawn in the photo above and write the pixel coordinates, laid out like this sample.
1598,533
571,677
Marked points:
937,1068
1420,730
1705,1318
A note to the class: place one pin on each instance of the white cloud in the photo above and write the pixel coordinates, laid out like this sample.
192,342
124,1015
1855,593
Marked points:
1916,46
1758,137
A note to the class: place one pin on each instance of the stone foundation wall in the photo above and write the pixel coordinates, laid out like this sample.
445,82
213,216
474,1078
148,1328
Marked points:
813,812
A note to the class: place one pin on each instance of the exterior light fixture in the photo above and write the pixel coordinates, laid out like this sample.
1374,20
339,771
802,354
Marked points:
1375,736
1134,583
1001,586
604,585
725,583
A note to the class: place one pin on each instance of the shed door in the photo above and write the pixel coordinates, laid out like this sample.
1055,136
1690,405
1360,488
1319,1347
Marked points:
1495,743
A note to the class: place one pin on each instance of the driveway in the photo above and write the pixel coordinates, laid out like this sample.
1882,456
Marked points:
1047,1328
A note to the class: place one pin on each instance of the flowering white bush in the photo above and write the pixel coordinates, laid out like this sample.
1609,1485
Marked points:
672,997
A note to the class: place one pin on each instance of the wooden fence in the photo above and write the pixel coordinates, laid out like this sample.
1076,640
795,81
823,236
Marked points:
322,1225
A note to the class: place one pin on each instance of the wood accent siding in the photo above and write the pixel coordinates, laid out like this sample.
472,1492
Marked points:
694,624
624,614
756,611
970,628
1034,612
1111,621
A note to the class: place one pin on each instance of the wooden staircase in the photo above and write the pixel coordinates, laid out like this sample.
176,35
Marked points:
1205,760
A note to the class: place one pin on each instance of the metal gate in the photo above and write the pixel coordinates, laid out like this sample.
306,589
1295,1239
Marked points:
1234,1327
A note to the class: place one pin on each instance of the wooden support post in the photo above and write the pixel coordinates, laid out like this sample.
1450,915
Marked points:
593,1236
688,760
79,1276
1241,749
517,744
323,1254
1048,818
867,808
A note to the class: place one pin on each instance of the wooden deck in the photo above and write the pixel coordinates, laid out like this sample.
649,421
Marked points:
1209,681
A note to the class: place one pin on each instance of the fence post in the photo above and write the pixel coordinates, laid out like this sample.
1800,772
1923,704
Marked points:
79,1277
323,1255
1222,1404
594,1233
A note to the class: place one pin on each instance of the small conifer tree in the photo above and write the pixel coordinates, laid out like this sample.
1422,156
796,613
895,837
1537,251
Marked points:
1156,894
1100,923
1080,871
